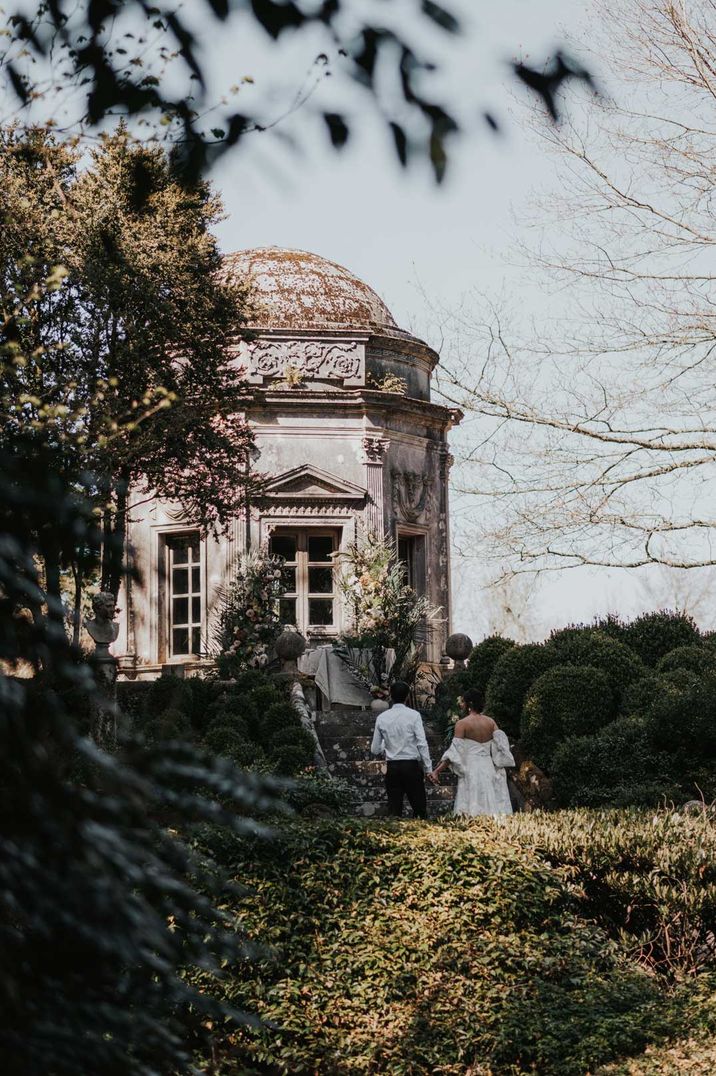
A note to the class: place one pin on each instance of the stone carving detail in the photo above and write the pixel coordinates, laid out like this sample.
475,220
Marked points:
325,508
412,494
375,449
322,360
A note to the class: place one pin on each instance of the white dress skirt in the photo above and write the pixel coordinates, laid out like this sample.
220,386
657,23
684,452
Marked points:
481,777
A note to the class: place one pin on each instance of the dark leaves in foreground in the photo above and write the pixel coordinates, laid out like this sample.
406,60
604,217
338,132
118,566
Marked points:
548,82
102,905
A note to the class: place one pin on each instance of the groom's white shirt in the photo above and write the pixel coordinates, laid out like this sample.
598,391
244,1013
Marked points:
400,734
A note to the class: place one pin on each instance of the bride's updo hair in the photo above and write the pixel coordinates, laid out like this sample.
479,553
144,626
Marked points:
474,699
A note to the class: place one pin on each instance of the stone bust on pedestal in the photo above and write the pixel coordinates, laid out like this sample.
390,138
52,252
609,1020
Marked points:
103,630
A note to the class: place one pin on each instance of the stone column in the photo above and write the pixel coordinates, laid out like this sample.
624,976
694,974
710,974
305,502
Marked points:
375,448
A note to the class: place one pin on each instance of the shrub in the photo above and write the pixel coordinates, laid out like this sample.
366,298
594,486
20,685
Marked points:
565,701
292,736
641,695
168,693
648,879
466,945
590,646
228,721
289,758
222,739
203,696
171,725
483,659
697,659
444,712
654,635
512,677
318,789
617,767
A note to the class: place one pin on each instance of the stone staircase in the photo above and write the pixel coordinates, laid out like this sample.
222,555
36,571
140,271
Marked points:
345,737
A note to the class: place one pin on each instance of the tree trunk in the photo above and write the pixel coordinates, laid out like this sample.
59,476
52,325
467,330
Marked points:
77,611
114,537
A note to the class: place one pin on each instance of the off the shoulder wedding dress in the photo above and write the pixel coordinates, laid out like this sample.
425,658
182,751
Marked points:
480,772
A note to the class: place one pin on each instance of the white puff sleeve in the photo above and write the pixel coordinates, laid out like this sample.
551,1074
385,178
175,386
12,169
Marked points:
500,750
454,756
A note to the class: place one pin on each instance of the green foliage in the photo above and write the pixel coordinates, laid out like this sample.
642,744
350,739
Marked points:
171,725
288,757
314,793
203,693
565,701
619,766
484,657
512,677
590,646
464,942
654,635
648,879
697,659
168,693
102,908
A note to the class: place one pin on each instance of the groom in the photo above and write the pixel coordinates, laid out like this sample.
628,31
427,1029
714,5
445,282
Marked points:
399,733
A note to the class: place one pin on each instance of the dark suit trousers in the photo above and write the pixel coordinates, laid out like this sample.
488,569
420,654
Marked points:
405,778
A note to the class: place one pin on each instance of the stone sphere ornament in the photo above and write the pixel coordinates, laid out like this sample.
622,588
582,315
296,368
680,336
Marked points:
290,645
458,647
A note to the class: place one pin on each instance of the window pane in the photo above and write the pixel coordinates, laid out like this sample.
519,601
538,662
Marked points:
320,547
180,641
196,609
180,610
196,640
180,548
283,545
180,581
287,610
288,579
196,580
320,580
320,611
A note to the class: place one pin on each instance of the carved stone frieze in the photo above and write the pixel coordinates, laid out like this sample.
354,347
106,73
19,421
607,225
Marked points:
295,361
305,509
411,495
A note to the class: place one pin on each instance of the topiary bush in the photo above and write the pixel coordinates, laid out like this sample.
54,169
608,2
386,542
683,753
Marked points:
203,694
654,635
171,725
314,792
168,693
565,701
590,646
483,659
697,659
287,759
619,766
512,677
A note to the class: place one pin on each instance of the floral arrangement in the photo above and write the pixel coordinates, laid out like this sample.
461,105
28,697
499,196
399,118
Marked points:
249,620
387,614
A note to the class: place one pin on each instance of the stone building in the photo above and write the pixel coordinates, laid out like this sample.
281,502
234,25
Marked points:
348,434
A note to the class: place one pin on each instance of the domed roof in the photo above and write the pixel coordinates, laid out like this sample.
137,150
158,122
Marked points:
292,289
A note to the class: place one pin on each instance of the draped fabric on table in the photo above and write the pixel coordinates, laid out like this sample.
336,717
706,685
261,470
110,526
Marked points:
344,675
481,778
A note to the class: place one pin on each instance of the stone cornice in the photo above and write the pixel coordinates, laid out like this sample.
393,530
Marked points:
359,401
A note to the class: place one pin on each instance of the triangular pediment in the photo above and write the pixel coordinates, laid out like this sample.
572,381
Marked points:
311,482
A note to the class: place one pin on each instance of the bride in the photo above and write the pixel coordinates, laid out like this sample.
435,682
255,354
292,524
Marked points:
478,755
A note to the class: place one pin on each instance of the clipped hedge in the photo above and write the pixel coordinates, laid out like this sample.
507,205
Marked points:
620,766
565,701
654,635
589,646
415,949
484,657
697,659
512,677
